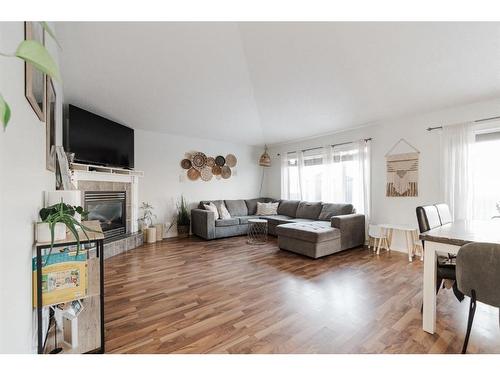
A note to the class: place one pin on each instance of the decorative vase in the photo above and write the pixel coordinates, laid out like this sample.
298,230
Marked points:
159,232
150,234
183,231
43,232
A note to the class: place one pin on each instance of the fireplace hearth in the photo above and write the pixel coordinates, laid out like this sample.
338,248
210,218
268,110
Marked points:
109,207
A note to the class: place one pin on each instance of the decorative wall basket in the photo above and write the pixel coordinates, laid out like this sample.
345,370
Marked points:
186,163
193,174
200,166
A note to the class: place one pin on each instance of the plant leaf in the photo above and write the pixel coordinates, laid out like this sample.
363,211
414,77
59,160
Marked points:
4,112
37,55
49,31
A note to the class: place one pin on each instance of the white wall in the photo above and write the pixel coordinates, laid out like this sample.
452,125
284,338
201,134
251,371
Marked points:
23,178
385,134
159,156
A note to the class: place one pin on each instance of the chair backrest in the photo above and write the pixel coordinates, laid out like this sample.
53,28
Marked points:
478,268
374,231
428,218
444,213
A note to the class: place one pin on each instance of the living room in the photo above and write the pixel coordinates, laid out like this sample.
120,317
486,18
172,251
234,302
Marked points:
174,187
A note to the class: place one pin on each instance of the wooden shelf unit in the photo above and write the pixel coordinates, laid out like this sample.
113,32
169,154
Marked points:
91,319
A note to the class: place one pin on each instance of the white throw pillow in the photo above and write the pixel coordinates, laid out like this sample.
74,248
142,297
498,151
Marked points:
213,208
267,208
223,212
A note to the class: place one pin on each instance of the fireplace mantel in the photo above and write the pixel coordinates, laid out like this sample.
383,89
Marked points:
89,173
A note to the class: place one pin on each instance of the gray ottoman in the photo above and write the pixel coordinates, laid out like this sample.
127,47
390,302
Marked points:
315,240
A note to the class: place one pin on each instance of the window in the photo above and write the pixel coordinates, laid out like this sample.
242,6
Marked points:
486,176
337,174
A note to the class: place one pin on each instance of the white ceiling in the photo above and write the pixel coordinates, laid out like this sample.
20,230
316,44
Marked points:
258,83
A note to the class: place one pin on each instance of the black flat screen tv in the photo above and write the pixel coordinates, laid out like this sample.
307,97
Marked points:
97,140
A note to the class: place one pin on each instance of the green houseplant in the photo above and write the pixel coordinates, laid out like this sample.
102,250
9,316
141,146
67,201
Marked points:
62,213
37,55
182,218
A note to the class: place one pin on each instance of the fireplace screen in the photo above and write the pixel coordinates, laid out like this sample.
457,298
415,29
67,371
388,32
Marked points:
109,208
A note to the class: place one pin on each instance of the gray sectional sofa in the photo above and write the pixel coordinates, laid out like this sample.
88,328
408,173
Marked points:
313,229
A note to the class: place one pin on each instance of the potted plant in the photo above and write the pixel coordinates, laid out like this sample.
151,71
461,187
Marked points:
146,222
182,219
55,220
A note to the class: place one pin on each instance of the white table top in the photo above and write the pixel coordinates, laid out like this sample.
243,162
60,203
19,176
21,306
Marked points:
257,220
461,232
398,227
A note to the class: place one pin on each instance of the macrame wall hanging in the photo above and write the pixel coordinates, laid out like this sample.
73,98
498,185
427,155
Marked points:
402,171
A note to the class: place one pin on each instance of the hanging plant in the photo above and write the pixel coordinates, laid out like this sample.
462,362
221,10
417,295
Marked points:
37,55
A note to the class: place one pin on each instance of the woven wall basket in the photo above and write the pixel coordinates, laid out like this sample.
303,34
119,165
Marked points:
231,160
193,174
226,172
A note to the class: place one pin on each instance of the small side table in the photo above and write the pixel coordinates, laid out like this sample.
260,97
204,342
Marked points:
257,231
410,236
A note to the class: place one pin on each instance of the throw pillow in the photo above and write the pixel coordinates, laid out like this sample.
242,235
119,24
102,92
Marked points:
223,212
267,208
213,208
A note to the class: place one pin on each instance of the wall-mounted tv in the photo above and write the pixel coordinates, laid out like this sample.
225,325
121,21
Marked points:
97,140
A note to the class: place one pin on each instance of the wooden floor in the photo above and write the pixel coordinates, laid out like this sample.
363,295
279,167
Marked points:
224,296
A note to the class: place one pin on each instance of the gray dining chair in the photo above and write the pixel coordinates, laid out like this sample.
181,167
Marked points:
478,276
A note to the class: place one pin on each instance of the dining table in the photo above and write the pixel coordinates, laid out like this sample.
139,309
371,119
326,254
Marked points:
447,239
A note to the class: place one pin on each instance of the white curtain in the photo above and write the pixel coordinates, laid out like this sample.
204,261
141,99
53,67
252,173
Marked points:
339,174
456,169
291,184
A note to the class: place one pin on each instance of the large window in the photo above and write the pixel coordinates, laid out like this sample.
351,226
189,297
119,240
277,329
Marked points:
337,174
486,176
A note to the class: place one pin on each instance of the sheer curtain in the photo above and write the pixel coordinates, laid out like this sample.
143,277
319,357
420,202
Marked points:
456,169
339,174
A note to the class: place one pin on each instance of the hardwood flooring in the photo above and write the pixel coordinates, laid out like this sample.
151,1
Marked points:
225,296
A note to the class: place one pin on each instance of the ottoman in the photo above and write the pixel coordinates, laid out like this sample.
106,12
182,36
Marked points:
316,239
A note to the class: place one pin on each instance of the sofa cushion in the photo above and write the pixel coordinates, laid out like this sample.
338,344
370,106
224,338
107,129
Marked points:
328,210
310,232
227,222
211,207
299,220
288,208
244,219
264,209
237,207
278,218
308,210
216,203
252,204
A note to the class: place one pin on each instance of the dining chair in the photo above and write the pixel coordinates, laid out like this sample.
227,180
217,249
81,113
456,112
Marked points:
478,277
428,218
444,213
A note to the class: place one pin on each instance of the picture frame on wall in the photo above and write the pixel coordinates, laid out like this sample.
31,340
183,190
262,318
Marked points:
35,82
50,125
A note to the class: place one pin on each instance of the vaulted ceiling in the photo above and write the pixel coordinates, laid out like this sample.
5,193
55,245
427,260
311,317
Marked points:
257,83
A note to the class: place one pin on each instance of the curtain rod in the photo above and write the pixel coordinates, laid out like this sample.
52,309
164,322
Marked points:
476,121
334,145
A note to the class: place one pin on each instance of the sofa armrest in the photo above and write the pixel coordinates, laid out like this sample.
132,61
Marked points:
203,223
352,230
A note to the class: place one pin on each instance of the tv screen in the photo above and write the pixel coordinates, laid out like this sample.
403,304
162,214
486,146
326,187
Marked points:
97,140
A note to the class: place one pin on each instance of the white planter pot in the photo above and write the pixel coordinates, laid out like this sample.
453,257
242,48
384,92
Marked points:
43,232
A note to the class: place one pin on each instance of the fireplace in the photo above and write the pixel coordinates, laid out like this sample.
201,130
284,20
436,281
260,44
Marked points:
109,207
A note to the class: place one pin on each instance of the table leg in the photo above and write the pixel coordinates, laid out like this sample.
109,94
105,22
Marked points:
430,269
389,239
409,245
